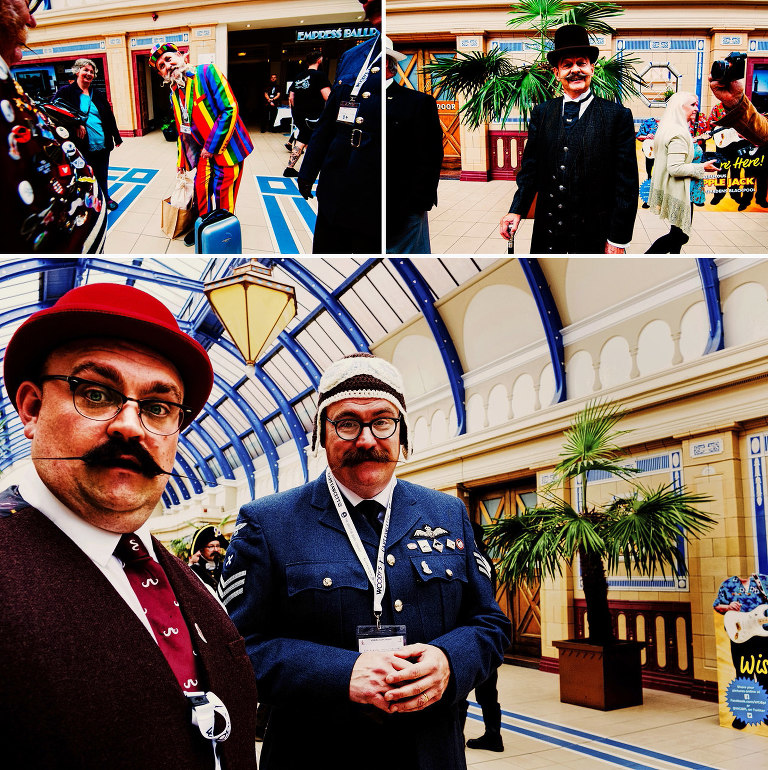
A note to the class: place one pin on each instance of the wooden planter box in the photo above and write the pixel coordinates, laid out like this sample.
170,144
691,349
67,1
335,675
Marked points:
600,677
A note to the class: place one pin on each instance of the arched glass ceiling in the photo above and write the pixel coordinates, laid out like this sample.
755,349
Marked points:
344,304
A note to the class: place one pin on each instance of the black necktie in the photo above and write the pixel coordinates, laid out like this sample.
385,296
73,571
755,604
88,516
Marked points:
373,511
571,112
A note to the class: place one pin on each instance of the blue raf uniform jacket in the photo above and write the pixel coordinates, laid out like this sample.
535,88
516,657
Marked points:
297,592
349,189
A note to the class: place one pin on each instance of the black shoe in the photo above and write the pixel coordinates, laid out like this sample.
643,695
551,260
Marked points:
645,206
738,724
189,238
488,741
290,172
112,205
288,146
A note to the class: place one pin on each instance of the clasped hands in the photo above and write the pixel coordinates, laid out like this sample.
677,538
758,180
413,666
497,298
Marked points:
408,679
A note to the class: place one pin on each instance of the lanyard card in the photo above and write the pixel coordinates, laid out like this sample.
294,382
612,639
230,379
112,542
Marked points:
186,128
347,112
380,638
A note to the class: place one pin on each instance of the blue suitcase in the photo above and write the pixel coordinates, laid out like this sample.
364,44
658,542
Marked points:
218,233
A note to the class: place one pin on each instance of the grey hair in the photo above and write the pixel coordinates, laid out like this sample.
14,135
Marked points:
80,63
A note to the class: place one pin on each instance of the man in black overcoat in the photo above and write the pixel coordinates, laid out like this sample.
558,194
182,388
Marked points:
415,156
579,163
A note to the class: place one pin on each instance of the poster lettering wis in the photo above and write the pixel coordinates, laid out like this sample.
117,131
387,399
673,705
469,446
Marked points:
740,185
741,634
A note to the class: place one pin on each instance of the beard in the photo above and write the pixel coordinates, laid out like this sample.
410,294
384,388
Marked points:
177,76
13,30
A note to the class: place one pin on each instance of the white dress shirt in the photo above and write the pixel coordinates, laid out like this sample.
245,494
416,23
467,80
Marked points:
97,544
355,499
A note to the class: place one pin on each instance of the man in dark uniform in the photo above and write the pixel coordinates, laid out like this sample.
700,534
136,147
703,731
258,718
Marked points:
579,164
271,103
415,140
50,199
367,613
113,653
345,150
206,555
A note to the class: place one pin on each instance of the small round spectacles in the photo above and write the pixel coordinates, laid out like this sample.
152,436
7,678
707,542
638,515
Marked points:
98,401
349,428
33,5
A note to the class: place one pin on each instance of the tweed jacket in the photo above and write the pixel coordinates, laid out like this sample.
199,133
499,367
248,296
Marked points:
214,117
70,95
349,164
82,683
747,121
297,592
415,138
586,178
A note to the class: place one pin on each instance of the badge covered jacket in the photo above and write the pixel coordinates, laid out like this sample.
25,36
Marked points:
297,592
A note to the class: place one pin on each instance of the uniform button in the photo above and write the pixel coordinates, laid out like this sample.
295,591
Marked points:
559,205
549,213
327,582
561,188
449,572
550,232
358,120
366,94
565,149
562,168
391,560
554,178
559,224
398,605
551,195
374,70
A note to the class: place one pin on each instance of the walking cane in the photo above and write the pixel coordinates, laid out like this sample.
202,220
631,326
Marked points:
511,242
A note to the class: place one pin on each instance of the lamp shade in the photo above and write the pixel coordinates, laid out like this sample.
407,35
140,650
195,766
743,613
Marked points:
253,308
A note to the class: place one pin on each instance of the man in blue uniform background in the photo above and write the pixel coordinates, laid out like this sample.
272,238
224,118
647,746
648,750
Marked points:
345,150
310,573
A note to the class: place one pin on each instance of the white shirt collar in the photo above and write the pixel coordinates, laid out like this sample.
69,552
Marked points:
585,97
355,499
98,544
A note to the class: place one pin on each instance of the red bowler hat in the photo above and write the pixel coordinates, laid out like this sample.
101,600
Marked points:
108,310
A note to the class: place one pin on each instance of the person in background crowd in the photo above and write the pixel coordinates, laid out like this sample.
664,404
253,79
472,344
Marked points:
98,133
212,136
367,610
415,139
206,555
677,163
307,97
271,103
114,655
345,150
50,200
587,197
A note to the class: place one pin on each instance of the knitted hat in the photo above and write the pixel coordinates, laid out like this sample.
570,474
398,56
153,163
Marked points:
360,375
158,50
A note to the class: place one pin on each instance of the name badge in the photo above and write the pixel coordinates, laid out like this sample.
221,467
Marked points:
347,112
380,639
186,128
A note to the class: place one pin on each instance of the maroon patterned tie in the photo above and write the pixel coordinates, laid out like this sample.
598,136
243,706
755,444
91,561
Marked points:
154,592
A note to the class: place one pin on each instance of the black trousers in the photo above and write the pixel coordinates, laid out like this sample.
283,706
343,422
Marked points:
332,238
98,160
270,113
672,242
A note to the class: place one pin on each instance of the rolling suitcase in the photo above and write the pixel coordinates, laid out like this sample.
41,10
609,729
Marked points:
218,233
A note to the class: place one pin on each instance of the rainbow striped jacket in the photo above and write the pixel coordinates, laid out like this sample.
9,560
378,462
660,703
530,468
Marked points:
216,124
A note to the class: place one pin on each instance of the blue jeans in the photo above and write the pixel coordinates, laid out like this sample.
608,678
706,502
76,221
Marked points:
413,238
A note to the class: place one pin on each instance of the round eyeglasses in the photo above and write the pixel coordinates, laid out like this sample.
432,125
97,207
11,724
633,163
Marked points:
349,428
98,401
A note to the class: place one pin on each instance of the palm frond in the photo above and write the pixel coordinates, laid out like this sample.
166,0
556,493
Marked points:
468,72
646,528
536,14
617,78
592,16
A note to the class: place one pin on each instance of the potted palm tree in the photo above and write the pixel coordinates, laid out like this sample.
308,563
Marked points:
493,85
638,532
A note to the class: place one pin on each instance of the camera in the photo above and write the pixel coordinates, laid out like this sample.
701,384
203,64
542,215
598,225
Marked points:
729,69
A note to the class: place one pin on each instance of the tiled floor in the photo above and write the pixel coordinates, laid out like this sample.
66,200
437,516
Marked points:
466,221
667,732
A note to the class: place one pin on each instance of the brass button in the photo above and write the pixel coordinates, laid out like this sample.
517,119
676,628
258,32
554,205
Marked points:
358,120
391,560
449,572
374,70
327,582
366,94
398,605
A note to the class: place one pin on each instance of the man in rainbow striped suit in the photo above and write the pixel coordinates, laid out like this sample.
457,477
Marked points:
212,136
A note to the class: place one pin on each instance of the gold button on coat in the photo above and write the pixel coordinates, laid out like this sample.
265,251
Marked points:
327,582
391,560
366,94
358,120
398,605
449,572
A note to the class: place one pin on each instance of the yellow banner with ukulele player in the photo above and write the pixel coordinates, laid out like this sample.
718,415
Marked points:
741,632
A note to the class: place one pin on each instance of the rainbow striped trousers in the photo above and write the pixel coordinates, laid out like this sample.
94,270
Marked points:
216,186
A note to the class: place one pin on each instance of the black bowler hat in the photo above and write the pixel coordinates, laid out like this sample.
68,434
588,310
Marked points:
572,40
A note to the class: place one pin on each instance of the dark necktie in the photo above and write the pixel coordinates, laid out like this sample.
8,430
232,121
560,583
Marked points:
373,511
154,592
571,112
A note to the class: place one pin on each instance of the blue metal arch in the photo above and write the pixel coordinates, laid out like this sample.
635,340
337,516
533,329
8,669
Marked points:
226,469
197,487
202,465
237,445
166,500
550,320
270,450
298,352
182,487
423,295
710,284
171,492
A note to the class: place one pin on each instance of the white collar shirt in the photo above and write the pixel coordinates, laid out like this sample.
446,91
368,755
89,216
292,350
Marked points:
584,100
97,544
355,499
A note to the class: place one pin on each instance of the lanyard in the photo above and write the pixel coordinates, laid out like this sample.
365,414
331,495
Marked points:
377,579
205,706
365,69
185,104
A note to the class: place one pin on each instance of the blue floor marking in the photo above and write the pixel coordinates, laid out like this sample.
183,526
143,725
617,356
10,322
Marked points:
680,762
135,179
272,188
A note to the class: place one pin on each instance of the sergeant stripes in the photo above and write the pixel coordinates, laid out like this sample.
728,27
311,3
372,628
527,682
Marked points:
231,587
483,565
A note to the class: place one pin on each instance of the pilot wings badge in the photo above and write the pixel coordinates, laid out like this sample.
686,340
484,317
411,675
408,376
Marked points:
430,533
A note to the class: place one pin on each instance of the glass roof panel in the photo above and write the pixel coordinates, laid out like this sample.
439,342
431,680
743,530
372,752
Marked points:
287,374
